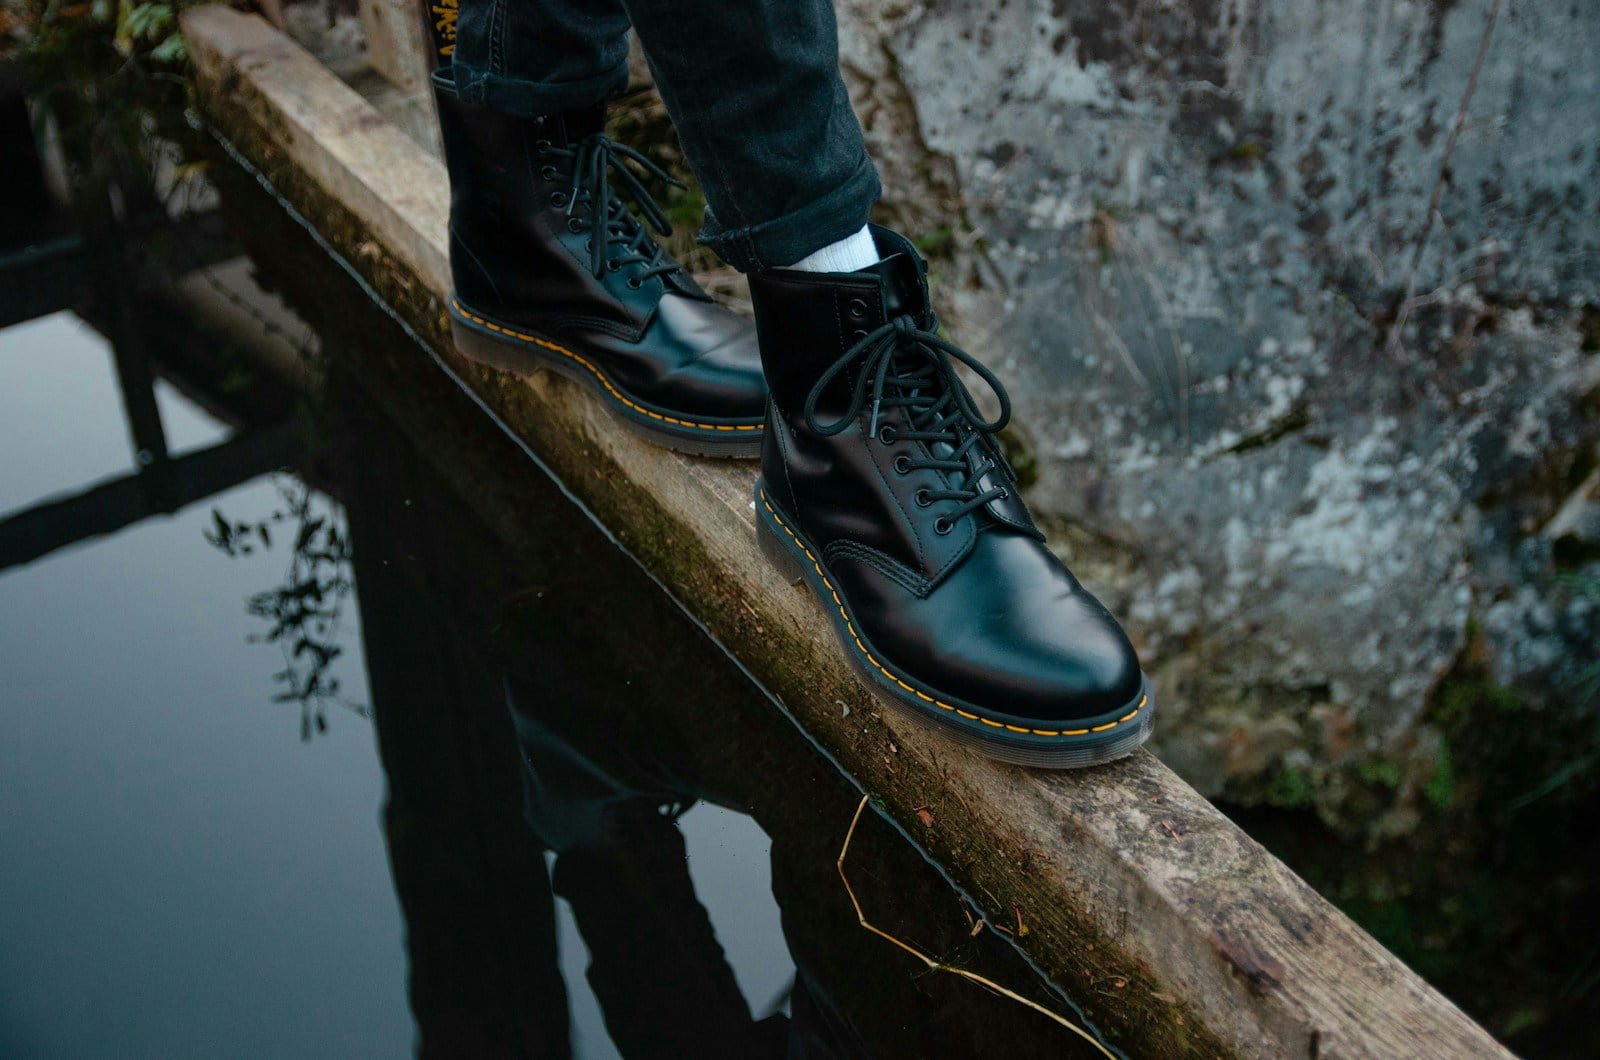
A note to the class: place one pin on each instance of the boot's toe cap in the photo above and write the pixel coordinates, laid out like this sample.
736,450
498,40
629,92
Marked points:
1056,662
1010,633
1094,671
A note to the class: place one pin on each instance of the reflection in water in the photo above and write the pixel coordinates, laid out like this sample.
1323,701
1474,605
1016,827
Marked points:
535,694
179,875
303,615
558,744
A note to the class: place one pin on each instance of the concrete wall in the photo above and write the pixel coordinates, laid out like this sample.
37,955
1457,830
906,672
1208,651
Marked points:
1186,232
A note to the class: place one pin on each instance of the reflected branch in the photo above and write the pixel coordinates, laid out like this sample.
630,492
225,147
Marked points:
306,610
936,965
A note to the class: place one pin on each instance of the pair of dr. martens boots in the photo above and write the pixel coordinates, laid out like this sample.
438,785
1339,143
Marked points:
883,486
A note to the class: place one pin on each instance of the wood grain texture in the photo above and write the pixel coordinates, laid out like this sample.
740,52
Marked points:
1177,933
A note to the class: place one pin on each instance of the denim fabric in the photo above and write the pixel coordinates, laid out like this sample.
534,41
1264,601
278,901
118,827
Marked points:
753,88
533,57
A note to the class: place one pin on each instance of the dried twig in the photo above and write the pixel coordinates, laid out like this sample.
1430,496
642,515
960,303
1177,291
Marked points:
938,965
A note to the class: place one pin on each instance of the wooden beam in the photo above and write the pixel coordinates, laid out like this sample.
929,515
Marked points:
1177,933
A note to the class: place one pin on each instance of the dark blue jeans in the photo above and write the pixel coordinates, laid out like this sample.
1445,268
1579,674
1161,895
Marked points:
752,86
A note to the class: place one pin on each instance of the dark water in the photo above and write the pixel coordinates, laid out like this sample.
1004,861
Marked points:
485,793
167,843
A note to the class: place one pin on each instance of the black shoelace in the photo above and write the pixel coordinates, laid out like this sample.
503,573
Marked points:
592,205
904,366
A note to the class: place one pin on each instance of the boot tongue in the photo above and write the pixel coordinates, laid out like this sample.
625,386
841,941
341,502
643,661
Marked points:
903,277
570,126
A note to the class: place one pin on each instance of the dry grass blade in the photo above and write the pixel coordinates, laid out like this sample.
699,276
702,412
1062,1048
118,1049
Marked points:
934,964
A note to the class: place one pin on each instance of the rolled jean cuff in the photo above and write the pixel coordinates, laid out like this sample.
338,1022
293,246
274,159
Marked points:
786,239
533,99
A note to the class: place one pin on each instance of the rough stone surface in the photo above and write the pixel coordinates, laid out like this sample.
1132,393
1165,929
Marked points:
1305,441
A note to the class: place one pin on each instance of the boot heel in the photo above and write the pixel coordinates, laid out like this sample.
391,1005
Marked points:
778,552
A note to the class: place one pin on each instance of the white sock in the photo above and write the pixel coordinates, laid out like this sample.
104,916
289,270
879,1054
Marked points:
847,255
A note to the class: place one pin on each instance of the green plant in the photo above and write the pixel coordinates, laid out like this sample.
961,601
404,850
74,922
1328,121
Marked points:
1289,789
1441,786
151,27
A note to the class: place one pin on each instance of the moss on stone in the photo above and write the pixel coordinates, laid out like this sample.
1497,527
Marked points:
1020,455
1485,893
1289,788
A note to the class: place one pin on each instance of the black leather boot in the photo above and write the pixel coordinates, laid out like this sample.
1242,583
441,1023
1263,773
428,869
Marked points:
883,488
552,269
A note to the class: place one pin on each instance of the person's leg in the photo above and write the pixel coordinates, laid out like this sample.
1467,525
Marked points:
756,96
883,486
532,57
551,267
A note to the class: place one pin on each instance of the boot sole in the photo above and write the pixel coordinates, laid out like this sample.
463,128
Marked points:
1077,744
509,349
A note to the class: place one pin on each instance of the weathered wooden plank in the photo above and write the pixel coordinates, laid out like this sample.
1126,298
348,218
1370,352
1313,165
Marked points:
1178,933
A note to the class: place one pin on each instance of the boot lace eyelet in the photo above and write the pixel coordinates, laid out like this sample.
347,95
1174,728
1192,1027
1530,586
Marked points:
574,225
887,434
921,499
902,465
542,147
549,173
612,266
941,526
857,335
558,198
857,308
634,283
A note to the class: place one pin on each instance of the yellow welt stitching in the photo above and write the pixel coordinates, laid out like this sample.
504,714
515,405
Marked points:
944,706
537,341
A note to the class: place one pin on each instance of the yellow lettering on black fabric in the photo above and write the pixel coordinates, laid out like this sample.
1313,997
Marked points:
445,13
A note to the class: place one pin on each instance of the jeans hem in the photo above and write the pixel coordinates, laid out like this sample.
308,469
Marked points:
786,239
533,99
